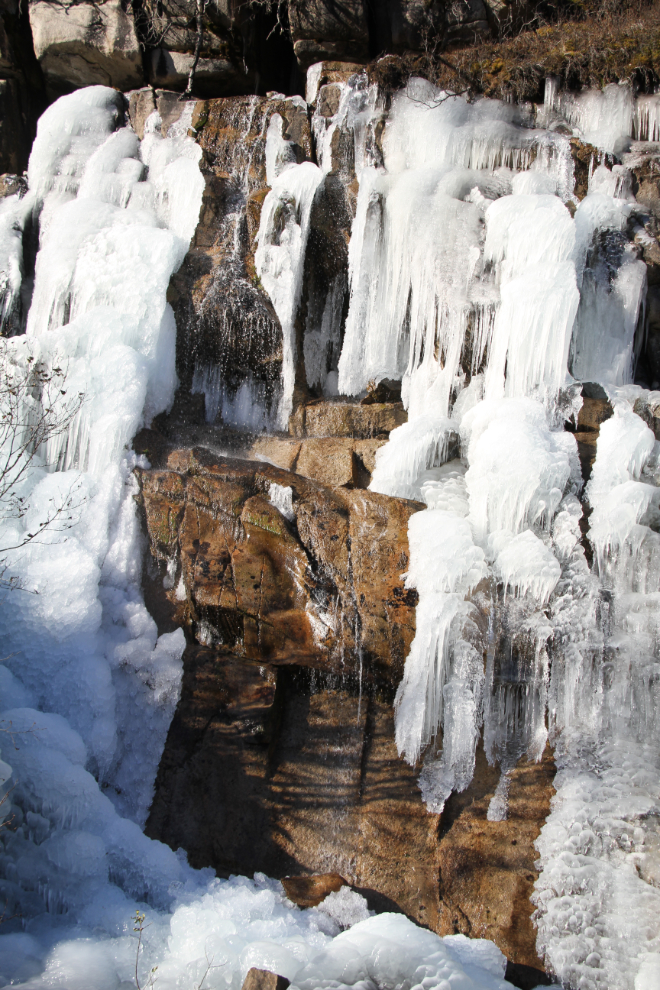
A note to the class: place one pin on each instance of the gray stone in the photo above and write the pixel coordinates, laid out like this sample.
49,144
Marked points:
213,76
86,45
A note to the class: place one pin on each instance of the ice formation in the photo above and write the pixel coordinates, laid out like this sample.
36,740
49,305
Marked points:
87,689
473,282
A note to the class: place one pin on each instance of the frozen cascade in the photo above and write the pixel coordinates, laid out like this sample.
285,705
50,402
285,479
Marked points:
280,253
473,283
88,690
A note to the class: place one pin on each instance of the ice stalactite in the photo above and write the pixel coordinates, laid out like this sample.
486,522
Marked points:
282,239
473,282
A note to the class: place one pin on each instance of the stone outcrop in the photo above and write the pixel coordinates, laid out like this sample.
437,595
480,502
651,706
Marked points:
347,419
334,461
281,756
310,891
313,586
86,44
263,979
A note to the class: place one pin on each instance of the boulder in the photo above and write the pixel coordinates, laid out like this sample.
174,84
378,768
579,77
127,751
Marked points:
273,581
86,44
307,892
324,418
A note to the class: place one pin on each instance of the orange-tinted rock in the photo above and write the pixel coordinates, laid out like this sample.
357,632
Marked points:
263,979
309,891
278,590
487,868
347,419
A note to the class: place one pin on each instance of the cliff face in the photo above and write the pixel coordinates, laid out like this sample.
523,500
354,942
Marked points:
281,756
287,574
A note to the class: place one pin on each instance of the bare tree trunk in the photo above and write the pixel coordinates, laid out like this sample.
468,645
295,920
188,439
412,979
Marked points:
199,25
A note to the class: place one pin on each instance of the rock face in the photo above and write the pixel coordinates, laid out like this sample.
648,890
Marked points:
357,30
263,979
310,891
281,756
230,332
281,588
86,44
22,96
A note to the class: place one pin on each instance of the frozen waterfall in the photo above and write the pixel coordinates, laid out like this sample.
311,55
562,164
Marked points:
480,282
87,688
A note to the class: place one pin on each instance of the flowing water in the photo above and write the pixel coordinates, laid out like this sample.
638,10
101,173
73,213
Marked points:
479,281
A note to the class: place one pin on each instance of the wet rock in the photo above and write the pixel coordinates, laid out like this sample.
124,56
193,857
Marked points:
325,73
273,588
22,95
307,892
346,419
263,979
229,334
386,390
296,772
276,450
648,407
584,156
86,44
12,185
595,410
643,160
311,783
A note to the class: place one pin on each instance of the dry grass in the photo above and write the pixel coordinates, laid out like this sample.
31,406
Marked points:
597,46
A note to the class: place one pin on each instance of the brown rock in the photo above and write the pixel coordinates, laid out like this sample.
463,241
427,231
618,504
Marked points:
329,72
346,419
593,413
307,892
275,450
261,587
487,869
273,769
586,444
584,156
12,185
263,979
338,461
